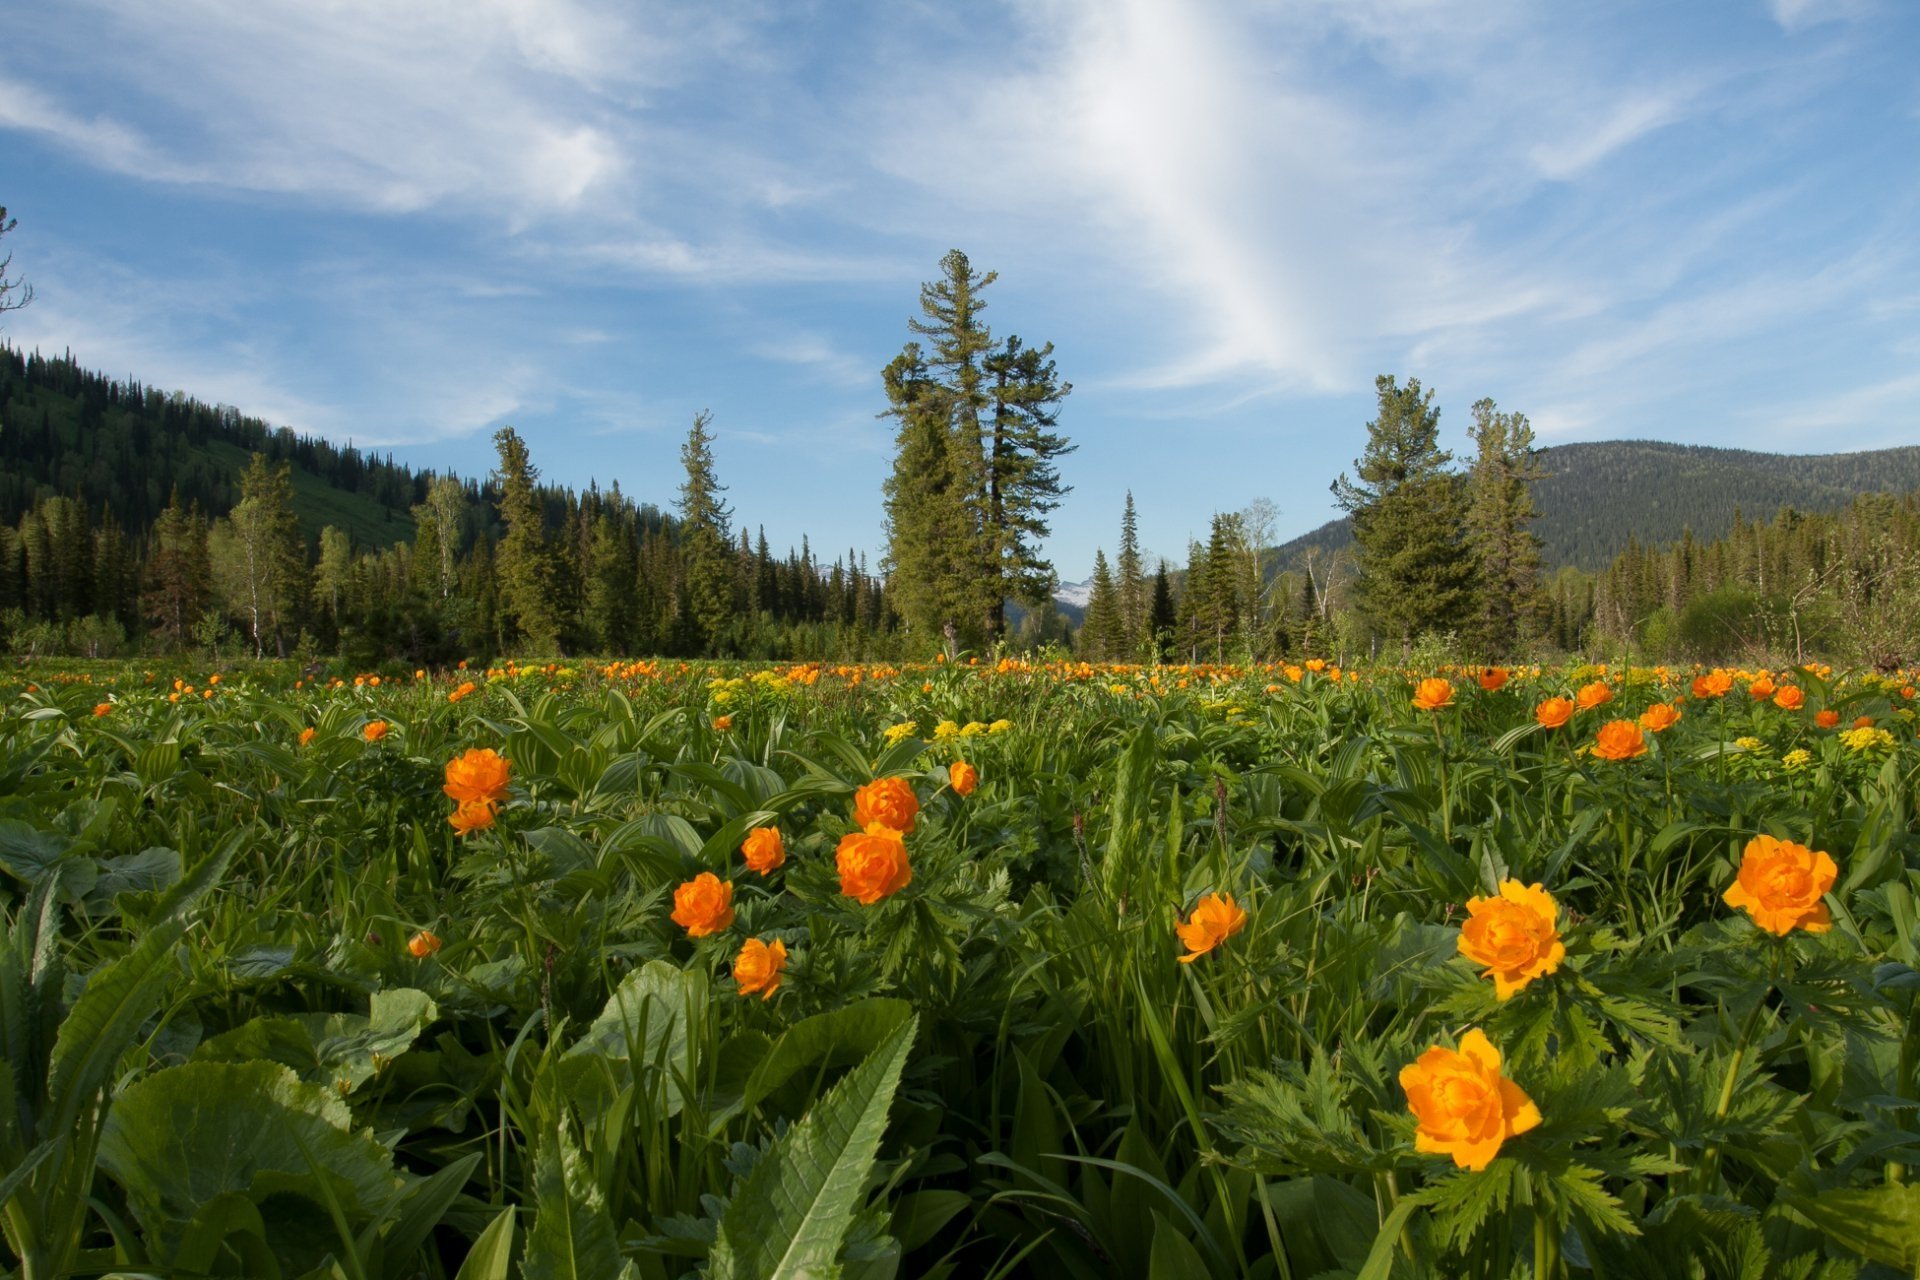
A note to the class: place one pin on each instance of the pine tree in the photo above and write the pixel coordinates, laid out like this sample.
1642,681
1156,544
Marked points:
521,563
1100,628
179,578
933,564
1499,510
705,541
1414,577
1023,480
1161,616
1130,584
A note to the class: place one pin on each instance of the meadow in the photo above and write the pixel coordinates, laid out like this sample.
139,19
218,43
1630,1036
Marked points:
960,969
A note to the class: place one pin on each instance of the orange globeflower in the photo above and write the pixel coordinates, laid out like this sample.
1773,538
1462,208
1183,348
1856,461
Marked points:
1790,698
471,816
764,849
1619,740
722,723
1514,936
1761,688
1465,1106
1826,718
375,730
478,774
1554,712
423,944
757,969
872,863
307,735
1863,722
703,905
1593,695
888,801
1433,694
963,778
102,708
1660,717
1493,679
1780,885
1215,918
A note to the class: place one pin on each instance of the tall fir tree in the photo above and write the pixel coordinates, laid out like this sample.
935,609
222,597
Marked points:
1162,617
1130,584
706,551
1414,574
178,577
1100,628
1500,512
527,609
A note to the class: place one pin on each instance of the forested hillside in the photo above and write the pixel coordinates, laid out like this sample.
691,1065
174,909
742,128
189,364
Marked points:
1595,497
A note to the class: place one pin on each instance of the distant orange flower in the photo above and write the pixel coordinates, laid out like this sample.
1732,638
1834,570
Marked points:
1619,740
757,969
1660,717
1215,918
479,774
423,944
1826,718
1790,697
1593,695
872,863
1554,712
889,801
102,708
963,778
722,723
1465,1105
764,849
1433,694
307,735
703,905
1760,688
1863,722
1781,884
471,816
1514,936
1493,679
375,730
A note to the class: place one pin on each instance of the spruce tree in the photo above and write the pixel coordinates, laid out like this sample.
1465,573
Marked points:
933,565
521,563
706,553
1499,510
1415,576
1100,628
1130,584
1023,479
1161,616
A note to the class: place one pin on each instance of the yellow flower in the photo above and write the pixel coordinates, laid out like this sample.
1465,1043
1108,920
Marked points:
1796,760
1000,726
944,730
1781,884
1215,919
757,969
895,732
1465,1107
1514,936
1865,738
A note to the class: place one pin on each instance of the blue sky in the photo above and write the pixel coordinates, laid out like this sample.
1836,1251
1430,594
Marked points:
408,223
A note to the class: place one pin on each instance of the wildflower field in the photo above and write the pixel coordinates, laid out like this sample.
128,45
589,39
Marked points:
970,970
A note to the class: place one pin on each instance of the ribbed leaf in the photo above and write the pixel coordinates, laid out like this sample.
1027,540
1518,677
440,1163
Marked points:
788,1220
572,1236
492,1252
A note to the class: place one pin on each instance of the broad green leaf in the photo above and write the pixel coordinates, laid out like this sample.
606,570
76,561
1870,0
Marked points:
148,871
643,1026
786,1222
839,1037
1173,1256
572,1236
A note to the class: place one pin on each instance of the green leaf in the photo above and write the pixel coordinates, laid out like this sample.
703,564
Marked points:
572,1236
641,1035
839,1037
787,1220
185,1135
1882,1224
1173,1256
148,871
492,1253
418,1210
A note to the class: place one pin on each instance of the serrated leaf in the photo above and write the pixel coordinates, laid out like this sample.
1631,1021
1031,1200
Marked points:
572,1236
787,1220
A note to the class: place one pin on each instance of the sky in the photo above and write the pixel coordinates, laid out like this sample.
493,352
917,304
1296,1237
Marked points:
406,225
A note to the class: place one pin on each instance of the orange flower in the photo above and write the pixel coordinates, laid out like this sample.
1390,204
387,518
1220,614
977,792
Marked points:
1215,919
1660,717
471,816
1493,679
1863,722
757,969
1761,688
102,708
1790,697
1826,718
477,775
1780,885
1433,694
722,723
872,863
703,905
1465,1106
889,801
963,778
1619,740
764,849
307,735
1514,937
1554,712
1593,695
423,944
375,730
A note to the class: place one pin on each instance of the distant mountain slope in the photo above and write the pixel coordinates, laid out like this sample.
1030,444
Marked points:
1597,495
119,446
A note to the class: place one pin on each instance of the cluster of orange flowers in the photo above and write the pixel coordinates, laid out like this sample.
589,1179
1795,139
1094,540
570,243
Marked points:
477,783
